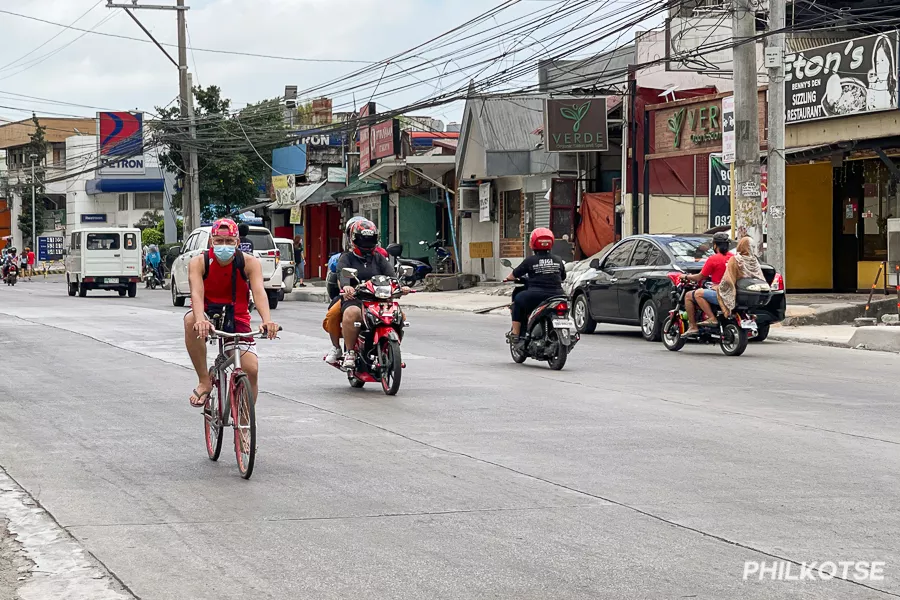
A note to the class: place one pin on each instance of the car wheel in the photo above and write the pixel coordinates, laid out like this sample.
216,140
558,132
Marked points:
273,299
650,324
762,332
581,313
176,299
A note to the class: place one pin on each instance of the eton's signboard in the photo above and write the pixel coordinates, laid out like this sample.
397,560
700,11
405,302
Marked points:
575,124
121,143
852,77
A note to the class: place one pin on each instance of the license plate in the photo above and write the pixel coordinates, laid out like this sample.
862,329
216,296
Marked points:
563,324
111,280
751,325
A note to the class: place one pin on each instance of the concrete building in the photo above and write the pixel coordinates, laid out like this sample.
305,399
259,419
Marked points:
14,137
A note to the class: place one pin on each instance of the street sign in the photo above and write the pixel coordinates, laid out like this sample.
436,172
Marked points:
728,136
484,202
50,248
481,249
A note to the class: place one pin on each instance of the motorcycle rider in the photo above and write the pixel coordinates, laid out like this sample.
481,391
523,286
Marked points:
154,261
714,269
544,273
368,263
10,259
332,322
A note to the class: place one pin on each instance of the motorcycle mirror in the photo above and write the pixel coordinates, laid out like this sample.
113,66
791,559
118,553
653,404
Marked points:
422,242
505,262
349,273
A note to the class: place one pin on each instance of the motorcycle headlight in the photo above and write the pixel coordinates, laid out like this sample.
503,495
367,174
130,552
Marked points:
383,291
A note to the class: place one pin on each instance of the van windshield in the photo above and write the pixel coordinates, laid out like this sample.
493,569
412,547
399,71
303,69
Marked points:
103,241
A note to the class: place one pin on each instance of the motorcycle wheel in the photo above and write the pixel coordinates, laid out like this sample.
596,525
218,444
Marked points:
391,366
671,335
518,356
562,353
734,340
152,284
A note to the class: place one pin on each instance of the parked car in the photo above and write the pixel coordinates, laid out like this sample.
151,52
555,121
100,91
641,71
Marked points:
104,258
288,268
263,248
628,284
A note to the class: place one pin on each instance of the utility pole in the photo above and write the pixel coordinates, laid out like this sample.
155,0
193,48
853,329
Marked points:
748,217
194,168
190,187
775,246
33,157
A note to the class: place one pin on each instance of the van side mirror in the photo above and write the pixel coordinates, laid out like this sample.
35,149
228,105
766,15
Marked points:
595,264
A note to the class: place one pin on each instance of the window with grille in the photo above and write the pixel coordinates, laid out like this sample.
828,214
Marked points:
123,201
512,214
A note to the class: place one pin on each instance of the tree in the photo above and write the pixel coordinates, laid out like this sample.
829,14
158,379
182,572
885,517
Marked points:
37,146
233,148
152,236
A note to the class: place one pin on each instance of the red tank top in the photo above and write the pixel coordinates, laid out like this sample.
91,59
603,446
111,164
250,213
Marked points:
217,290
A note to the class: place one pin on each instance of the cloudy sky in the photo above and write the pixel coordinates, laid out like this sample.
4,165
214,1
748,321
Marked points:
50,62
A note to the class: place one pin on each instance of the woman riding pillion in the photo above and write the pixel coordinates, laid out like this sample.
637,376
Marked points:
543,272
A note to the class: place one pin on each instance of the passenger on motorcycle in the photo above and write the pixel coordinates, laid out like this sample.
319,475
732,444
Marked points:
714,270
743,264
368,263
543,273
332,322
10,259
154,261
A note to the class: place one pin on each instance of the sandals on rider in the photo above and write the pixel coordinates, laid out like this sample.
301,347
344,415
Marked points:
198,400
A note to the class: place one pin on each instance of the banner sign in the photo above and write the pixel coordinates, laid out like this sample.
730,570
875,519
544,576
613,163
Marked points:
365,144
93,218
719,192
852,77
728,136
296,215
121,143
50,248
385,139
575,124
484,202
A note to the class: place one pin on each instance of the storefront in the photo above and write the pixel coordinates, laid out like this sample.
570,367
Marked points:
843,137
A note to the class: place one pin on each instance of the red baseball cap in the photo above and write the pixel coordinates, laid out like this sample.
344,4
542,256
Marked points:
228,224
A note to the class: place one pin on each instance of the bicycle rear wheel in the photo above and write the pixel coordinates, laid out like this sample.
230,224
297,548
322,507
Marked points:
244,413
212,417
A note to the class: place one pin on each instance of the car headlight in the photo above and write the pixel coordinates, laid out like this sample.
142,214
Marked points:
383,291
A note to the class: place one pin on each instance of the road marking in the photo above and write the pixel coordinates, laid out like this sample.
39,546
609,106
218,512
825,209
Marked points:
62,569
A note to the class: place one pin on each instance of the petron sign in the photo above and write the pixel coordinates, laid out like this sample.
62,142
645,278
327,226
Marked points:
575,124
121,143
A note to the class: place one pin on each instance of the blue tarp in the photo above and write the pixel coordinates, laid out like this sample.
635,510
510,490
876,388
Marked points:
289,161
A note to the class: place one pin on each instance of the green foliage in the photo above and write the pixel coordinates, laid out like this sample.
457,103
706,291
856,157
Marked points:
39,146
152,236
233,148
152,219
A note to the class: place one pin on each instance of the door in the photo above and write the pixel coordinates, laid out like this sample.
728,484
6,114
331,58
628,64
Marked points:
603,290
633,277
848,198
131,255
103,254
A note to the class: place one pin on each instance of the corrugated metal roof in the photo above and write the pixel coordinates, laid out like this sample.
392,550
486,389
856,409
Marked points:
813,40
508,123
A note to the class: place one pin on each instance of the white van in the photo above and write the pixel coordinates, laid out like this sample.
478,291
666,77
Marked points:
104,258
263,248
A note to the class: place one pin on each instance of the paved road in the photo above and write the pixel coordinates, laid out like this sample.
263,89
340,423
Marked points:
620,477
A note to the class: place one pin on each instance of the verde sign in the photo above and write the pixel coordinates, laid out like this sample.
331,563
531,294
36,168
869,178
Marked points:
701,124
575,124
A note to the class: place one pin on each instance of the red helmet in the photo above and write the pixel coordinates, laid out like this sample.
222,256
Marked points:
363,237
541,239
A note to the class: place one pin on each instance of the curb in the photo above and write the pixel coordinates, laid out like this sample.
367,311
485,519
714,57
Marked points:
804,340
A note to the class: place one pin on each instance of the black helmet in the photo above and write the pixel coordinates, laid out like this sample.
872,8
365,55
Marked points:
722,241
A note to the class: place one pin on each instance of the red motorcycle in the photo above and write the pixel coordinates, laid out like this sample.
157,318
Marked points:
378,345
12,274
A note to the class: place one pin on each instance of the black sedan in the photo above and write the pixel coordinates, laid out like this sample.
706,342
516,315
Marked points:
628,284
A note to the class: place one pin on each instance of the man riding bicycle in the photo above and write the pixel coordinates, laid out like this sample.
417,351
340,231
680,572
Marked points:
220,281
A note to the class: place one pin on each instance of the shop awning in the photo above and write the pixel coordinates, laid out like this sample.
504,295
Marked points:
358,188
121,186
434,166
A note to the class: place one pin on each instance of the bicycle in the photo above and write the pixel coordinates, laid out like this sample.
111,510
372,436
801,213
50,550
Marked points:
230,402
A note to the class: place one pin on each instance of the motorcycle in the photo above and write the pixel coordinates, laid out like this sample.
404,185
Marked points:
443,259
377,348
151,278
550,333
731,333
419,269
12,274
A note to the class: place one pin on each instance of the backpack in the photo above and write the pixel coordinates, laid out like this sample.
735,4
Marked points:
333,262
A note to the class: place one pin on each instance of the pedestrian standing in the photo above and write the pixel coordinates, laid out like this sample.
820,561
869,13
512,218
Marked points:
31,261
298,261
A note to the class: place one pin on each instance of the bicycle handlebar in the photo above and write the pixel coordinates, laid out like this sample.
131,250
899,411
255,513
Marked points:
215,333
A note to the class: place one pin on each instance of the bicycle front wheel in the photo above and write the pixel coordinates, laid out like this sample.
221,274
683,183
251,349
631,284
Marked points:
244,426
212,417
